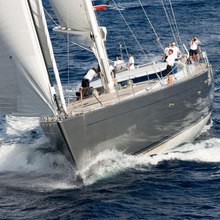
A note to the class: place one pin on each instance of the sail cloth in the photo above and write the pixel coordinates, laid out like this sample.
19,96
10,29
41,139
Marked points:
25,89
42,31
73,19
71,14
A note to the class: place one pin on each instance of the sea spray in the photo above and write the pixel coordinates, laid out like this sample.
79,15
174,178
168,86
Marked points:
110,162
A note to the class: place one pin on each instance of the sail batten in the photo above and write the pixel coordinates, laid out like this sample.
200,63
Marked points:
25,85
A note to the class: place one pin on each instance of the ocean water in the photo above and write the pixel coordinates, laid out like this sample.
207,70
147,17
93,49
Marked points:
37,182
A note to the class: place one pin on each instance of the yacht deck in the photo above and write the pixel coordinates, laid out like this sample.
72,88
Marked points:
131,91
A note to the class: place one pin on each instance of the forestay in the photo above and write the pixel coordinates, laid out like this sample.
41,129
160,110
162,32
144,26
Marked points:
25,86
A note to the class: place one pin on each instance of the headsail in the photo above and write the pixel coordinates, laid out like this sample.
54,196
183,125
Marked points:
25,86
42,31
73,19
72,16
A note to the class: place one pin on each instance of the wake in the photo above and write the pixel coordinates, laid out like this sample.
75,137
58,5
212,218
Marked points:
109,163
26,152
28,160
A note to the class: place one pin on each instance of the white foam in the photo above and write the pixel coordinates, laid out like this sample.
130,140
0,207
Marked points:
18,125
109,163
34,156
204,151
23,154
58,173
43,170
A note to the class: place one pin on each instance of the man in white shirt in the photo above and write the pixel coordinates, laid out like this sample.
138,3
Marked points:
117,62
176,51
194,50
117,66
87,79
170,62
130,61
90,75
166,52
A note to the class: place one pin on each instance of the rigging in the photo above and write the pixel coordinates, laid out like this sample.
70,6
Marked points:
157,37
169,20
117,8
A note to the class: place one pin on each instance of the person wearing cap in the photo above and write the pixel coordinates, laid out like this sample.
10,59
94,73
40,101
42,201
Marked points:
170,62
130,61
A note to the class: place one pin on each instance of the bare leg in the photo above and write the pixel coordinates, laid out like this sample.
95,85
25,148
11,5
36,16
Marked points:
84,91
198,56
170,79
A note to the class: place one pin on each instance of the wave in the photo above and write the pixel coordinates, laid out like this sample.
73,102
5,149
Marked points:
110,163
26,152
27,159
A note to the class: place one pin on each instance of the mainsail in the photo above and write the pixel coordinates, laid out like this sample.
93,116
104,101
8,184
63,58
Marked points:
25,85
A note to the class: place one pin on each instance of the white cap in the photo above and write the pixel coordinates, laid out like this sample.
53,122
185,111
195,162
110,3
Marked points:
173,43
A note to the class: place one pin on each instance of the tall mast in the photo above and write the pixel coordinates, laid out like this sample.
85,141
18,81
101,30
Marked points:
100,47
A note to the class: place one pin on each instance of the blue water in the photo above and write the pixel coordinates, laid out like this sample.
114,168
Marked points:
37,182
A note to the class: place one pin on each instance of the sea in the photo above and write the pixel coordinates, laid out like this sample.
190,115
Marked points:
38,182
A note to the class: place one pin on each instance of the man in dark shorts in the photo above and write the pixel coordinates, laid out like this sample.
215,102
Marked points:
86,82
194,50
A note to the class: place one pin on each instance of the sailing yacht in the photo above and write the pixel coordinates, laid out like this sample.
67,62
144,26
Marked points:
139,116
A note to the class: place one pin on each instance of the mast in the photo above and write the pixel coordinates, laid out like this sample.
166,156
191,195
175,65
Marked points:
100,47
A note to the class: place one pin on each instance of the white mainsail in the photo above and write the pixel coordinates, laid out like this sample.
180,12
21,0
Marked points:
25,86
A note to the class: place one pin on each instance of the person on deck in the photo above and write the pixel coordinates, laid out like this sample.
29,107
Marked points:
113,73
117,61
176,51
194,50
86,82
116,67
130,61
170,62
166,52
